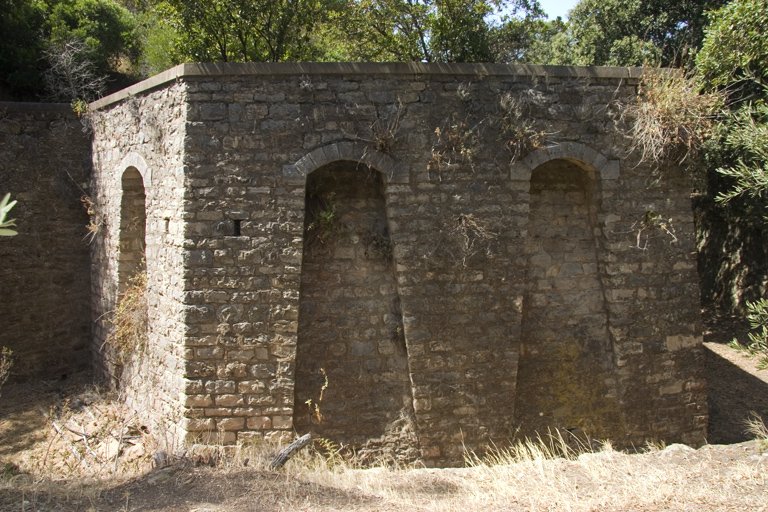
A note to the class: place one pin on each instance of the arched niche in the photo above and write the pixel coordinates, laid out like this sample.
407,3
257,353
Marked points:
351,380
133,222
566,375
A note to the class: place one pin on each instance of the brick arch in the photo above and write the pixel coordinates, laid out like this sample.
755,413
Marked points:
135,160
394,171
582,155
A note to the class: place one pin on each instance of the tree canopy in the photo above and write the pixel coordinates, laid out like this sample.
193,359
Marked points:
635,32
35,32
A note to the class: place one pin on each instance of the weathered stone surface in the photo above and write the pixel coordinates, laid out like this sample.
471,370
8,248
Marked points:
44,276
522,287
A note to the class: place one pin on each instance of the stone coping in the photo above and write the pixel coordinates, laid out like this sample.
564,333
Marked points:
214,69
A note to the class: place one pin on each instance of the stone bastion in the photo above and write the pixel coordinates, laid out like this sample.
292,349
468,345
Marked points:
412,260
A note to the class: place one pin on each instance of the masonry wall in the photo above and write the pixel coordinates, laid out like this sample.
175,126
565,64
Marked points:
138,194
351,353
490,233
44,276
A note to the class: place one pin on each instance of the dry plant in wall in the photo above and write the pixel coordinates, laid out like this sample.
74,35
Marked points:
129,332
455,143
671,118
384,131
473,235
516,126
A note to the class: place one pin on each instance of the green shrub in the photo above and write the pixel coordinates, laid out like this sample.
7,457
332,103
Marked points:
757,314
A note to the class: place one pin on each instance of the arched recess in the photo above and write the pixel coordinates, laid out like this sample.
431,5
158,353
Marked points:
394,171
566,374
351,382
133,227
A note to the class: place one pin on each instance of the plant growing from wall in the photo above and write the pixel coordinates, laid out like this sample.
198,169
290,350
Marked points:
653,221
517,126
93,225
323,226
5,206
473,236
384,130
670,119
129,332
316,416
454,144
6,362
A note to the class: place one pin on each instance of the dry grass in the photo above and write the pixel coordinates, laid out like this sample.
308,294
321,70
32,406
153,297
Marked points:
671,118
530,477
63,470
129,333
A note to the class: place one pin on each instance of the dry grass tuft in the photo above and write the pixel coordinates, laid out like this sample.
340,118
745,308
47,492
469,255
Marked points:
129,333
672,118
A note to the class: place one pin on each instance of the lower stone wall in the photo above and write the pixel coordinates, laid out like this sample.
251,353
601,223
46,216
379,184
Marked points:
44,275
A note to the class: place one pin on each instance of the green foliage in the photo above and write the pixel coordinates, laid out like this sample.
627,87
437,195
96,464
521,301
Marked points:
757,314
37,32
242,30
431,30
531,40
21,22
736,45
635,32
5,206
107,29
734,61
161,45
746,142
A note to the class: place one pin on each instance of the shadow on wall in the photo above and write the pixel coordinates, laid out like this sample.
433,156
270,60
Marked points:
566,358
351,363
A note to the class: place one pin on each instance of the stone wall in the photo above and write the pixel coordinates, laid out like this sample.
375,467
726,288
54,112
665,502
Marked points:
44,276
138,193
351,353
514,258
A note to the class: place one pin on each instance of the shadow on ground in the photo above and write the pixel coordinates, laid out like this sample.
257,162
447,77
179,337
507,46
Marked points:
733,395
176,490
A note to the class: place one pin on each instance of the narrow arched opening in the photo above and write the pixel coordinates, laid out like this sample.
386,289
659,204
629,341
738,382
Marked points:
133,222
566,374
351,381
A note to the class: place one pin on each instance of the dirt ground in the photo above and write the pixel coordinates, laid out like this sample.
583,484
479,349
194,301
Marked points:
59,452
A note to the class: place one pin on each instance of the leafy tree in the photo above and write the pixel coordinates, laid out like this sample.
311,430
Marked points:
736,46
21,46
161,44
433,30
242,30
635,32
733,61
107,30
33,29
531,40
